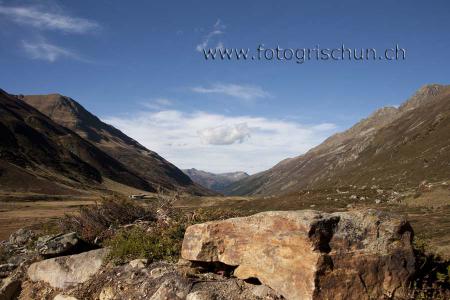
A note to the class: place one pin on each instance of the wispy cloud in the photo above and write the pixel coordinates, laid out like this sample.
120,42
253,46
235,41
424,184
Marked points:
45,51
158,103
220,143
217,30
245,92
38,18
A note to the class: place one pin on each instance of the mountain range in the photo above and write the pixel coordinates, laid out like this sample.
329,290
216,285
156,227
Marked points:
395,147
50,144
212,181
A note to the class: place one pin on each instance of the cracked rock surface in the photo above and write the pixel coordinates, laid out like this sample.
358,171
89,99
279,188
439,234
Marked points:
309,254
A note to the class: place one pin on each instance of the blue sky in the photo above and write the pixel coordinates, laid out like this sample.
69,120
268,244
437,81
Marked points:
135,64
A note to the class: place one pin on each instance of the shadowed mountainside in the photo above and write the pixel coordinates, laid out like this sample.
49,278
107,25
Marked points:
393,147
38,155
147,164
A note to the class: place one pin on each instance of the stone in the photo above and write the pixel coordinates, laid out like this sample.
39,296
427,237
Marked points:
172,289
199,295
158,272
311,255
21,237
262,291
107,294
6,269
64,297
138,263
57,245
66,271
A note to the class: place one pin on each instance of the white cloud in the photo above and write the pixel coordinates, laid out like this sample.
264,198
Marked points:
225,135
217,30
245,92
38,18
219,143
45,51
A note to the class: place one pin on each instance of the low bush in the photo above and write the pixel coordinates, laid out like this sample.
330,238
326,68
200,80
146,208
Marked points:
159,243
93,221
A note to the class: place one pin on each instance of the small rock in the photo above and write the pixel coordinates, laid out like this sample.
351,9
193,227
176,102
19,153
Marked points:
172,289
21,237
377,201
262,291
57,245
199,295
158,272
139,263
107,294
184,262
6,269
66,271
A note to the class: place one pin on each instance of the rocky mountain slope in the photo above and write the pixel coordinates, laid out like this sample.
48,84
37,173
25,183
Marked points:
393,147
151,167
39,155
215,182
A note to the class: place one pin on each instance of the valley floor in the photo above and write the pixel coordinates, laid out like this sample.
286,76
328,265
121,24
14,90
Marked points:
428,210
17,214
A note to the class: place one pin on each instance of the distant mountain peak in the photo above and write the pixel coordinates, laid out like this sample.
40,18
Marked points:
215,182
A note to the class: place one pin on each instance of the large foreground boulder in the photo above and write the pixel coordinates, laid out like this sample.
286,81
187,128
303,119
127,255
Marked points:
67,271
311,255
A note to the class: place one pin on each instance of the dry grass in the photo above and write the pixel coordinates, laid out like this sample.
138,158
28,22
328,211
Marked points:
16,215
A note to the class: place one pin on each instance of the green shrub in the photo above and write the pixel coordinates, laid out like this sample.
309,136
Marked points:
163,243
